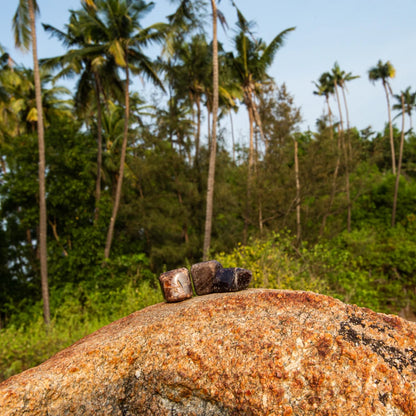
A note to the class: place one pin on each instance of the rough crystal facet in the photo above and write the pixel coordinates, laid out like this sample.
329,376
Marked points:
231,280
176,285
203,275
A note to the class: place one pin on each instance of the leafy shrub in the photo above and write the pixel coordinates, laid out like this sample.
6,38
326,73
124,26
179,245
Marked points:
367,267
276,263
27,342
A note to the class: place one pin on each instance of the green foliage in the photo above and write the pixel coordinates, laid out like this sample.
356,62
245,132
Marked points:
160,223
276,263
26,342
367,267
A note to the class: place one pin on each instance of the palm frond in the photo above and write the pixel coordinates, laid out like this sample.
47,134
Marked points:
21,26
271,49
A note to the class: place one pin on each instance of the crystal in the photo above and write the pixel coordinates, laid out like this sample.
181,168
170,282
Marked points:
231,279
203,275
176,285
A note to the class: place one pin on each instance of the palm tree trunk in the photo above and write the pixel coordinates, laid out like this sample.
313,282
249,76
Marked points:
99,147
339,108
258,121
121,169
399,166
337,165
347,157
43,249
212,158
393,154
347,116
331,126
347,187
232,135
343,145
249,174
251,143
198,129
298,225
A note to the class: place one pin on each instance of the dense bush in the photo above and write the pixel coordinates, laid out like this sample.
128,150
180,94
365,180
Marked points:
26,342
367,267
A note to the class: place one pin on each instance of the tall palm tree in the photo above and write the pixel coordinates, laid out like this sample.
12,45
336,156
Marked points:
5,113
340,78
399,164
297,181
213,150
191,76
409,103
114,26
253,59
24,25
20,89
213,135
384,71
84,58
251,62
336,77
325,88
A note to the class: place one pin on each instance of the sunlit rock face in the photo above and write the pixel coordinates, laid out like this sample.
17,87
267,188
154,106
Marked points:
254,352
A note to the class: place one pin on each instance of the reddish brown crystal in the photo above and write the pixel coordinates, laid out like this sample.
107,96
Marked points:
176,285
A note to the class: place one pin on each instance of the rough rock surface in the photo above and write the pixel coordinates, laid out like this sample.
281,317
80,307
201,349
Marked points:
256,352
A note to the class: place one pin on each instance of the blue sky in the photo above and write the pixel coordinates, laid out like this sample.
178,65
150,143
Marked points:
356,34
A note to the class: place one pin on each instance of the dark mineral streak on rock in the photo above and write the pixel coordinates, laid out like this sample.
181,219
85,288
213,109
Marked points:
203,275
231,280
394,357
176,285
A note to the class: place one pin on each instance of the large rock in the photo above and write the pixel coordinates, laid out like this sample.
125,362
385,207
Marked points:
256,352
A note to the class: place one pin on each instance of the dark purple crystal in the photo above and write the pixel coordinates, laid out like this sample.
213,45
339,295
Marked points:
231,279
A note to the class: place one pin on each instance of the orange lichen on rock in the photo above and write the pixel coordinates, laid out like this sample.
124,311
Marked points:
255,352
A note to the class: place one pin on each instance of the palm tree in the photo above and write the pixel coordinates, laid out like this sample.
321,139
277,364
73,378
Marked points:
251,63
86,59
213,150
339,78
409,103
336,77
185,5
5,66
328,85
20,90
190,77
384,71
342,78
25,36
114,27
399,165
325,88
296,160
